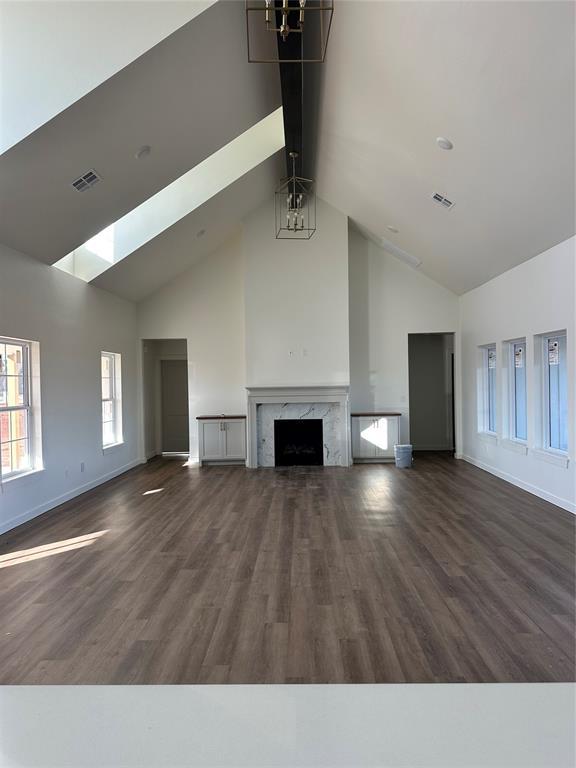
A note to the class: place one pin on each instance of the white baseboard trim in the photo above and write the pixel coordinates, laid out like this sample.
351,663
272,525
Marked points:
46,506
542,494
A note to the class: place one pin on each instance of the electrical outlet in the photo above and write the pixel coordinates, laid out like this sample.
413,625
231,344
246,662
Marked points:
81,466
66,472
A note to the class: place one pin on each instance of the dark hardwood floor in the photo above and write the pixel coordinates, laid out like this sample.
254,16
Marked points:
171,574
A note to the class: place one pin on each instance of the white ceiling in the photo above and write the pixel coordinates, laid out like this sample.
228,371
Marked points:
70,48
186,97
497,78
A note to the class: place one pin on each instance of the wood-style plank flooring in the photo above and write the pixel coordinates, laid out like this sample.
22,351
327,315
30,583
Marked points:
171,574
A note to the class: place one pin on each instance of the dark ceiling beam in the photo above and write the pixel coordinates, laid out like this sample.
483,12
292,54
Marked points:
300,90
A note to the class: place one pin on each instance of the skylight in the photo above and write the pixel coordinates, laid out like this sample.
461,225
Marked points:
102,244
177,200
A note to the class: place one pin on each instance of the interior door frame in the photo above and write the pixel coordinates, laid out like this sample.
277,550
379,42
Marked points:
154,416
453,358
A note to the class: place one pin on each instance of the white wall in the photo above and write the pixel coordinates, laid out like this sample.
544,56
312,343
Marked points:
297,302
206,307
534,298
389,300
73,322
245,307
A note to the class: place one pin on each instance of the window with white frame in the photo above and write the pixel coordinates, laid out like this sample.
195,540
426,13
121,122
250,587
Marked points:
555,391
111,399
487,420
518,414
16,443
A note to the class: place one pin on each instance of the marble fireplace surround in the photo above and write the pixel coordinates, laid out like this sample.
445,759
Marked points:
330,403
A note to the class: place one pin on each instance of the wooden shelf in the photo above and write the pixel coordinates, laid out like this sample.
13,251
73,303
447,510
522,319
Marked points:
220,416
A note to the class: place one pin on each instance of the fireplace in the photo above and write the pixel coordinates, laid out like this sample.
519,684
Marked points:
298,442
327,403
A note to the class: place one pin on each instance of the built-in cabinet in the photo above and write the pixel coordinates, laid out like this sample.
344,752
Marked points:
222,439
374,436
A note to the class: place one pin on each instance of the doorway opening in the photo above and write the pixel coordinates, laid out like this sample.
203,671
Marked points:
431,391
165,397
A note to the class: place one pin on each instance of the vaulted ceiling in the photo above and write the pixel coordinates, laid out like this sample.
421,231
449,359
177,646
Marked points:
53,53
186,97
496,78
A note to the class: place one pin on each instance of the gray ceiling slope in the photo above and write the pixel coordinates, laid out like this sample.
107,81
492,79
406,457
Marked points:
35,61
495,78
186,97
175,250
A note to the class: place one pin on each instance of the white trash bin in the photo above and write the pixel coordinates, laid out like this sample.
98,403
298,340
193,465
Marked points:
403,456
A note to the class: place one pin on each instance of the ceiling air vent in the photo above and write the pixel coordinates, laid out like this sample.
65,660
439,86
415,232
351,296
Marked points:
86,181
442,200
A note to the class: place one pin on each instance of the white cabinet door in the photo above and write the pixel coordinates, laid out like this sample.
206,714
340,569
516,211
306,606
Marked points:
362,437
385,436
374,437
211,446
234,439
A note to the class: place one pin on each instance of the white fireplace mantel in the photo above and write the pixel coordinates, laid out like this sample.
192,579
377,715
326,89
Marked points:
314,395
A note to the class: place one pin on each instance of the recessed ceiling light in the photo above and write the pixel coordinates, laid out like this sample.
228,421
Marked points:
390,228
143,152
200,233
444,143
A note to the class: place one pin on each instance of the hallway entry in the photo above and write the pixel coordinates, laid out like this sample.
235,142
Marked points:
431,391
165,405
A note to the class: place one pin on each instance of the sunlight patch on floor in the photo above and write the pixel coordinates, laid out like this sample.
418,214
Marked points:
47,550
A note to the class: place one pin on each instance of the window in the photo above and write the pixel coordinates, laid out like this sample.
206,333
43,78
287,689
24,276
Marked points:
518,412
16,454
555,394
488,411
111,399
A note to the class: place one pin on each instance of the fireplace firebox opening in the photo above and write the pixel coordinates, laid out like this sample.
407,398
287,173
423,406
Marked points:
298,442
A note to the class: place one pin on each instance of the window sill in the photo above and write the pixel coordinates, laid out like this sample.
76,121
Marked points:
515,445
488,437
112,448
558,458
22,477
